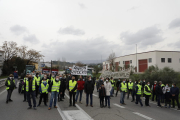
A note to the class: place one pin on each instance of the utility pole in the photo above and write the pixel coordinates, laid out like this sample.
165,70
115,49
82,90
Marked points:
136,58
51,66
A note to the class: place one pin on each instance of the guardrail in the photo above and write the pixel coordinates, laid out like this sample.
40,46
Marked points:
2,82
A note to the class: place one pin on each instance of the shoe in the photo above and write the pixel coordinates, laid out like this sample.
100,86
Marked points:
7,102
132,101
178,109
91,105
74,106
61,100
159,106
165,106
124,103
55,107
112,96
109,107
105,106
141,105
86,105
35,108
38,105
10,100
29,107
80,102
70,105
45,105
49,108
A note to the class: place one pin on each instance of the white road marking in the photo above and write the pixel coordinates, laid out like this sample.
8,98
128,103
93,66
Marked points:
95,95
144,116
118,105
2,92
81,109
76,115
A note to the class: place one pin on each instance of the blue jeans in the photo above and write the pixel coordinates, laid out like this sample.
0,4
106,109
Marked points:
122,97
107,99
54,96
112,91
138,99
77,94
33,94
87,98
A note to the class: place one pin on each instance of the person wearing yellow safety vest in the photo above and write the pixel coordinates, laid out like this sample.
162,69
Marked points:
43,89
37,79
138,93
30,86
123,89
23,88
48,82
147,92
10,86
72,87
130,87
112,84
54,90
163,95
52,77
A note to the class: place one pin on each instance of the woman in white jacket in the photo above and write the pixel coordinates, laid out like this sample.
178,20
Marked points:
108,88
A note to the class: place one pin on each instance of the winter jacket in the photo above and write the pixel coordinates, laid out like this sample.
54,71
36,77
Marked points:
63,83
80,84
168,96
108,88
117,83
102,92
174,90
15,75
158,90
89,87
11,86
100,83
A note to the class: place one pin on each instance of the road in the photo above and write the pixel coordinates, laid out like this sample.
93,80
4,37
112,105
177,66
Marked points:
17,110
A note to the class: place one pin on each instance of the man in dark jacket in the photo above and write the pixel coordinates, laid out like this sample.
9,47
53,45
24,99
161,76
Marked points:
10,85
72,87
154,90
16,77
100,82
117,86
175,95
63,82
102,94
159,93
60,88
89,88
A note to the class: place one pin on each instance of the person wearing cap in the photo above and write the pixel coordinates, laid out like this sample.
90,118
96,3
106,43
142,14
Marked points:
108,88
54,90
30,86
10,86
43,89
123,89
23,87
37,79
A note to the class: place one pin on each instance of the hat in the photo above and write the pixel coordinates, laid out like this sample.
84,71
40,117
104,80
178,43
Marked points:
11,75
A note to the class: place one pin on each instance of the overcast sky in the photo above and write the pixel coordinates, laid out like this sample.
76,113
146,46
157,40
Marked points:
88,29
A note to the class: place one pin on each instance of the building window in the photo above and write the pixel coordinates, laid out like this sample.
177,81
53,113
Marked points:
169,60
123,62
163,60
131,61
150,60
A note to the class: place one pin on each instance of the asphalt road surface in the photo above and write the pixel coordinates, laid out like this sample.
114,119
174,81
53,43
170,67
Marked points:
17,110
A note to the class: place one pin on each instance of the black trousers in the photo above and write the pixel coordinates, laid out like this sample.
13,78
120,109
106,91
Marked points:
168,102
138,99
63,93
25,95
37,90
153,96
72,94
117,91
129,91
44,96
147,100
102,100
177,101
59,96
9,93
33,94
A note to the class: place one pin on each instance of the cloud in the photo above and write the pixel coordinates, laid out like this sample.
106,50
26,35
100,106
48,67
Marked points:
175,44
82,5
175,23
78,50
18,30
71,30
145,37
133,8
31,38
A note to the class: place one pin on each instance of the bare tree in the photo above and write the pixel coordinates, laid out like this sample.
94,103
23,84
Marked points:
33,55
79,63
22,50
111,61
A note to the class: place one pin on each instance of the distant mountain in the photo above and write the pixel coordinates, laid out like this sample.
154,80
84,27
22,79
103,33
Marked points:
90,61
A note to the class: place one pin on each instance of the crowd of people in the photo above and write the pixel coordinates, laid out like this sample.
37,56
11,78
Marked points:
55,85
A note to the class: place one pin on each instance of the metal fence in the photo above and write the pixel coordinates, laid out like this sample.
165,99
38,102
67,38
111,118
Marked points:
2,82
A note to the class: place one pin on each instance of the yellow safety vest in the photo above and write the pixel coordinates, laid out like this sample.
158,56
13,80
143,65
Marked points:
130,86
55,86
44,88
145,92
124,87
112,81
33,85
9,83
37,80
72,85
52,79
139,89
